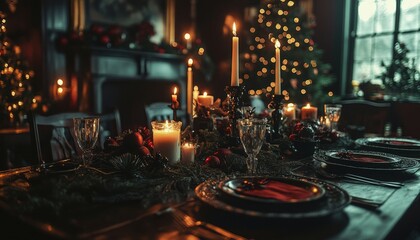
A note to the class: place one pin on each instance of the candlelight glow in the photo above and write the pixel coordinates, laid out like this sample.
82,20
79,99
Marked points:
205,94
190,62
277,43
187,36
308,105
60,90
175,91
234,29
60,82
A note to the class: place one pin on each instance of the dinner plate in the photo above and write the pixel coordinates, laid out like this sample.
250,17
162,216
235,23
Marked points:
400,146
335,200
362,158
405,165
277,192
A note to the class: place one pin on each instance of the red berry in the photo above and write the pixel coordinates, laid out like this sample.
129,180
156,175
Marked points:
292,137
143,151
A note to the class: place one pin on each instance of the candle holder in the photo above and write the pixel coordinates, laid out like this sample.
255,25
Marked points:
174,106
234,94
277,115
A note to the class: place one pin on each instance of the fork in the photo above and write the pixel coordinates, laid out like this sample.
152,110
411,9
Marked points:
187,223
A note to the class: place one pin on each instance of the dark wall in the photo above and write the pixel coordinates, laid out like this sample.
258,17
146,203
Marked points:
328,34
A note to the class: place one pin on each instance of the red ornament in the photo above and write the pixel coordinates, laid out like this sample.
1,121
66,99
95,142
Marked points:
212,161
222,153
133,141
143,151
105,39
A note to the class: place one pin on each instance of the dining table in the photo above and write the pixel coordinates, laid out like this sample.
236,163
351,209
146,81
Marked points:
181,202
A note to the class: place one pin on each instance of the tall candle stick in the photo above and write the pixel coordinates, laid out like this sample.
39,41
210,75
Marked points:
175,96
277,89
234,78
190,87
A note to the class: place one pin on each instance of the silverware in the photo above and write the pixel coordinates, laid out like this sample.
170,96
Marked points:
365,202
373,181
189,224
320,169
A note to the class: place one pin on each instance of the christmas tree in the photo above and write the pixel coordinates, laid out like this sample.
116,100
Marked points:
16,97
304,77
401,78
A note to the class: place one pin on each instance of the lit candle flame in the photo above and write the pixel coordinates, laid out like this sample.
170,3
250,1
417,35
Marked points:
187,36
190,62
205,94
308,105
277,43
234,29
175,90
60,82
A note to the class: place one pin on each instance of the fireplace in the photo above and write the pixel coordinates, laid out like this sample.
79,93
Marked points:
128,80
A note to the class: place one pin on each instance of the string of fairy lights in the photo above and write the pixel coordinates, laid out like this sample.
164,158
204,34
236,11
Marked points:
275,21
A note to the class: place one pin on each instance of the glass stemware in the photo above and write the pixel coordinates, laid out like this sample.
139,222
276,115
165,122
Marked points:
333,112
86,131
252,135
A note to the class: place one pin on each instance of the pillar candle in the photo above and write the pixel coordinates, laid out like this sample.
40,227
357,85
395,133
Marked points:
190,87
167,139
205,100
309,112
277,89
234,78
187,152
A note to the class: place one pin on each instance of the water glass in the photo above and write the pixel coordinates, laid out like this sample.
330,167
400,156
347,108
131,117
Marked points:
86,131
252,135
333,112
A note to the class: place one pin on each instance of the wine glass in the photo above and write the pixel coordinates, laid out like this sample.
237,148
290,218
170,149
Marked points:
252,135
333,112
86,131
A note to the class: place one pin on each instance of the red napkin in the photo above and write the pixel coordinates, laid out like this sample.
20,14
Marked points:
280,191
399,143
366,159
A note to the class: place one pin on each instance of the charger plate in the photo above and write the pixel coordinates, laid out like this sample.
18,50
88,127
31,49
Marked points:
401,146
362,158
335,200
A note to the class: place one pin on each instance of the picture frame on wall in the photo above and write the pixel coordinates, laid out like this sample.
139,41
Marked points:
123,13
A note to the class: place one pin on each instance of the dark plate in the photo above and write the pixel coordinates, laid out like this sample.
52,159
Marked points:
362,158
380,144
272,191
335,200
403,143
404,166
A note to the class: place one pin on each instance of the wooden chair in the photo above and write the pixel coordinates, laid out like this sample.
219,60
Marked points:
53,137
371,115
160,111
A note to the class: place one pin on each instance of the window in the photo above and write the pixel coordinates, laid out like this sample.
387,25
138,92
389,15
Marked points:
379,25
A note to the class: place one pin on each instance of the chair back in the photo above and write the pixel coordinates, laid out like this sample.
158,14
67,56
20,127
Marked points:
160,111
53,137
371,115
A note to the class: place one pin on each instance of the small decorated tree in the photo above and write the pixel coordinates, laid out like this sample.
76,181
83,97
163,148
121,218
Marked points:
401,78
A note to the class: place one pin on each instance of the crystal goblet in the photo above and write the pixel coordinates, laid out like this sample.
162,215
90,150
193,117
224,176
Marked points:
252,134
86,131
